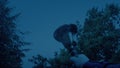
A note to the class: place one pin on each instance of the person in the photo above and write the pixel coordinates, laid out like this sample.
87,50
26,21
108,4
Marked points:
64,34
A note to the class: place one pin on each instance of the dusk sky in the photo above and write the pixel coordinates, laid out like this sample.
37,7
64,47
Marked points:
42,17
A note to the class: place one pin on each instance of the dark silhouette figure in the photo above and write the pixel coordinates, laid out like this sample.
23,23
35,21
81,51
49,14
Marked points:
62,34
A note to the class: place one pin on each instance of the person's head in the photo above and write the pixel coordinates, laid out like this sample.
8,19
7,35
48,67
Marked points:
73,28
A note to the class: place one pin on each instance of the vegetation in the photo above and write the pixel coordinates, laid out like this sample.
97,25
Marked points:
11,52
59,61
100,38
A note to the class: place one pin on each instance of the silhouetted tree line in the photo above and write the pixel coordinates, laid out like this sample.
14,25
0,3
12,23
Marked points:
11,43
100,36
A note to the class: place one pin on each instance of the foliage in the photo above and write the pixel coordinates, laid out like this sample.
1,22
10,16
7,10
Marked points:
59,61
10,42
99,38
38,61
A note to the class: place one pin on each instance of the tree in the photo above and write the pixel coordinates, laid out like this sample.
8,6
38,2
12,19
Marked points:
99,38
38,61
60,60
11,52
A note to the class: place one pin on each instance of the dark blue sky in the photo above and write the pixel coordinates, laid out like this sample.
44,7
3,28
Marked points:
42,17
